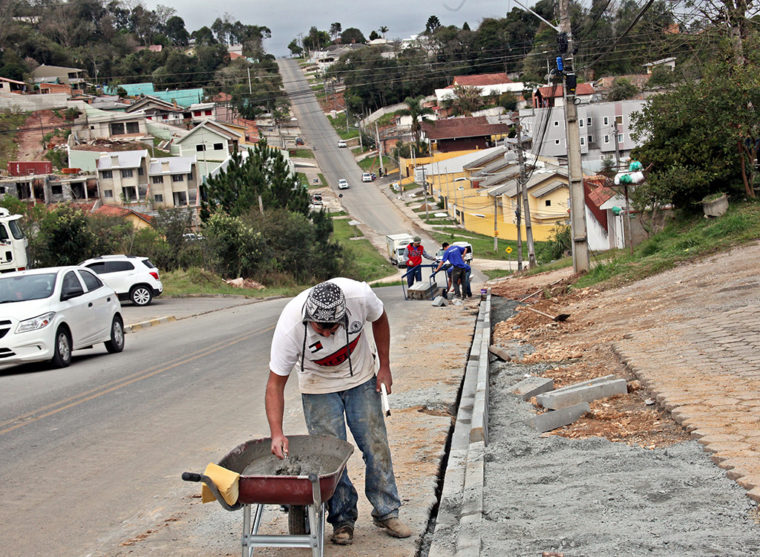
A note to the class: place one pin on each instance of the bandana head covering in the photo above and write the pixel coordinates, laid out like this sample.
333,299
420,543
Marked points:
325,304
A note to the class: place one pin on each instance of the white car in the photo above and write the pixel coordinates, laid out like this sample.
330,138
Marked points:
133,278
342,184
45,314
341,144
366,177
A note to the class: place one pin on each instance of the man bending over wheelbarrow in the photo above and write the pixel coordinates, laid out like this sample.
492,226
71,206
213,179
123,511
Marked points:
321,333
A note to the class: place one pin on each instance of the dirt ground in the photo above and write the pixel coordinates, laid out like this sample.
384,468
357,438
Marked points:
29,140
632,418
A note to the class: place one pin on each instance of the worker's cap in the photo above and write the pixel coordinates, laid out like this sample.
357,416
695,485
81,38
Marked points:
325,304
416,239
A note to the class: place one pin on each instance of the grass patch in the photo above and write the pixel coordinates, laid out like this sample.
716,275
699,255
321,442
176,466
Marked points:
9,123
483,246
366,263
302,153
497,273
322,181
687,238
339,124
197,281
371,164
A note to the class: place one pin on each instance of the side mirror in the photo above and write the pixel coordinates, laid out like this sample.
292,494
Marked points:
72,292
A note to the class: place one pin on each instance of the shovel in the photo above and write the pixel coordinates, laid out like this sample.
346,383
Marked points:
559,318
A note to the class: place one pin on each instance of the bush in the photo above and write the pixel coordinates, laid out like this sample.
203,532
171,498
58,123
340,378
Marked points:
558,245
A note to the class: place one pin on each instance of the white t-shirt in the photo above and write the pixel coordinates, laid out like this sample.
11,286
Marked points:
325,363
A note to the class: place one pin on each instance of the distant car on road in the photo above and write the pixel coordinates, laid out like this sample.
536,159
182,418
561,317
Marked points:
366,177
342,184
133,278
48,313
342,144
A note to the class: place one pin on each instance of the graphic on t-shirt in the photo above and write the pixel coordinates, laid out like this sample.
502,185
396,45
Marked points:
317,346
339,356
354,327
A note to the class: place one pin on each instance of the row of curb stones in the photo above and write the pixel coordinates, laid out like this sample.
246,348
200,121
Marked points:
145,324
457,528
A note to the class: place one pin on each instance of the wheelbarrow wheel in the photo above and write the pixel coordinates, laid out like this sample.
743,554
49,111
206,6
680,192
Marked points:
298,520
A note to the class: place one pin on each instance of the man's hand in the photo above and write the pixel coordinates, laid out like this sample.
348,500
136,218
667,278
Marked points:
280,446
384,376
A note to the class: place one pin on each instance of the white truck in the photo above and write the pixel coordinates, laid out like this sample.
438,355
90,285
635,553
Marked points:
12,243
396,244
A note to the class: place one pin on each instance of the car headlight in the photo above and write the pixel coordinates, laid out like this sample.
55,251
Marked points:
39,322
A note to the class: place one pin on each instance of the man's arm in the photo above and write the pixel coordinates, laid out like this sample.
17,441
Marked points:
381,330
274,402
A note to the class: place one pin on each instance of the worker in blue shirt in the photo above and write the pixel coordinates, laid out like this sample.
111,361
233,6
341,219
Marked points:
455,256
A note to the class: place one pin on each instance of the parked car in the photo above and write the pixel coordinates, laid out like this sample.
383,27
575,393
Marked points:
342,184
48,313
342,144
366,177
299,141
133,278
316,199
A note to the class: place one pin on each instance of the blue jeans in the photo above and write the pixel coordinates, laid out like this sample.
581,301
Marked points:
360,407
415,273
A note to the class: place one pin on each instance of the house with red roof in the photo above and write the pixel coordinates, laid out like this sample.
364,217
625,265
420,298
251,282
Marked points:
487,84
457,134
554,95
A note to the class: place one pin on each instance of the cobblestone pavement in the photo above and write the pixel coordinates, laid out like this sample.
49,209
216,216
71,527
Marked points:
697,346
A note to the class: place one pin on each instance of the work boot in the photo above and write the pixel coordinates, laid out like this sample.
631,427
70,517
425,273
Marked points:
343,535
394,527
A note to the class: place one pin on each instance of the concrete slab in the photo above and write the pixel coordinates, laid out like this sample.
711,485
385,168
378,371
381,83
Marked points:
533,386
562,398
557,418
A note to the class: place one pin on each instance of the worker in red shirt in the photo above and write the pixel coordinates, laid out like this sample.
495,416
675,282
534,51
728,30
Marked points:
414,252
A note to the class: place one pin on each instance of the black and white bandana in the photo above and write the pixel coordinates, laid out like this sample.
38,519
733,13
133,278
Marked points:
325,304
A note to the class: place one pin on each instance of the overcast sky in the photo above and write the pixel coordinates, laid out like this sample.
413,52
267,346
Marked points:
287,18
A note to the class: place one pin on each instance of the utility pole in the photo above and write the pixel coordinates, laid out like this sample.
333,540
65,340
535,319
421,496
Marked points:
424,185
250,90
575,171
523,185
380,155
628,231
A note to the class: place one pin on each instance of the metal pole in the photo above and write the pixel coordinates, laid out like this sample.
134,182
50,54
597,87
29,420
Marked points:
628,233
380,154
575,171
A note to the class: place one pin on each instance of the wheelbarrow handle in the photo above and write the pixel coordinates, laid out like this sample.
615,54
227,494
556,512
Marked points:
193,477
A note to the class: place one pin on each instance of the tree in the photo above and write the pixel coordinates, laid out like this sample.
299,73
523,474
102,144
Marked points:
466,100
352,35
263,173
706,129
294,48
432,24
335,29
175,30
383,29
64,238
417,111
316,39
373,35
204,35
622,89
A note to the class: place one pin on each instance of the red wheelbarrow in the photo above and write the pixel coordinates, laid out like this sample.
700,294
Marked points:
303,482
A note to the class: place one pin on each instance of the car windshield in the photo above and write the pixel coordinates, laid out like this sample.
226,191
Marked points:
26,287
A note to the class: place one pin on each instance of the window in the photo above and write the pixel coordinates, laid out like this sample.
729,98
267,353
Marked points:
178,177
620,138
71,283
606,139
606,121
157,179
197,113
118,266
158,198
99,267
218,146
588,121
583,140
180,199
117,128
108,194
106,174
189,177
200,147
556,141
140,171
556,123
548,203
619,120
3,234
208,113
165,117
580,123
133,127
90,281
590,139
56,190
130,194
127,173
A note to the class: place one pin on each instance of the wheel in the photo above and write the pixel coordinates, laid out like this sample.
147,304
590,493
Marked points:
62,354
141,295
116,343
298,520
